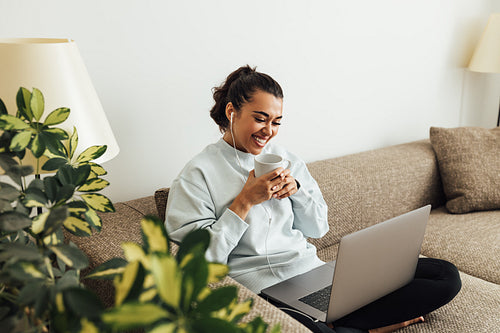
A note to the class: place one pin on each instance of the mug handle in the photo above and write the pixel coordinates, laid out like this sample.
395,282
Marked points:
289,163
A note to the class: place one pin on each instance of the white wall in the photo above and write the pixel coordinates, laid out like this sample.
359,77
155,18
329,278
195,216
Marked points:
357,74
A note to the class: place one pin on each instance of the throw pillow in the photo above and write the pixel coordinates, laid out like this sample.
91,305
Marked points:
469,163
161,197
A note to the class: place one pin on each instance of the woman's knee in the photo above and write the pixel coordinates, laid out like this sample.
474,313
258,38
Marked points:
452,275
442,275
447,277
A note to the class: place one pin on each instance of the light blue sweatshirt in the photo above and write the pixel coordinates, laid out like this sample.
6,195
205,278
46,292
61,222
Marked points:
200,196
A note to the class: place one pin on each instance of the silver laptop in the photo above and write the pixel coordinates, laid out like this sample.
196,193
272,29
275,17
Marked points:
371,263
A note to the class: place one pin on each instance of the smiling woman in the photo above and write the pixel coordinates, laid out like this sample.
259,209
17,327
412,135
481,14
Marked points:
259,226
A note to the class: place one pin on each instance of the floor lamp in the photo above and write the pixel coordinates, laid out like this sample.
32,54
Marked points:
486,57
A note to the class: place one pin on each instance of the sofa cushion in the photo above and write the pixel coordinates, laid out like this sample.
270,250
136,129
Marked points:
470,241
474,309
469,160
370,187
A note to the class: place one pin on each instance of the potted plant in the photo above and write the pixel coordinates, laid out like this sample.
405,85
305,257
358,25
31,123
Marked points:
40,273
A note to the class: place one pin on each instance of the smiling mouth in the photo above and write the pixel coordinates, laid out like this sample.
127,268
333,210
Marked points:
260,141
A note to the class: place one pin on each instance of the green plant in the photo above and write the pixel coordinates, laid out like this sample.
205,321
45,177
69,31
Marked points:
40,289
40,274
161,292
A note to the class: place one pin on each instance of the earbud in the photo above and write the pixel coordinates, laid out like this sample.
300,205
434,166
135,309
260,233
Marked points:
232,114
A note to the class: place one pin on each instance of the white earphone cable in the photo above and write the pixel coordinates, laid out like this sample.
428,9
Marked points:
269,214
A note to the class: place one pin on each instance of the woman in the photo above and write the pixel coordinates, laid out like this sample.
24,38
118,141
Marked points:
259,226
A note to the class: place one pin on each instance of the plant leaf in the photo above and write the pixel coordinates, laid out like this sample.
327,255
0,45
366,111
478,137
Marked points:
54,164
98,202
24,270
97,170
216,272
20,141
8,192
13,221
7,161
88,326
53,141
42,302
39,222
37,104
10,123
73,143
77,226
3,110
71,255
70,279
56,217
154,234
35,198
168,278
93,185
55,238
134,315
16,172
23,100
38,146
83,302
65,192
164,328
129,284
195,272
134,252
198,239
30,292
57,116
91,153
238,310
108,270
208,325
74,176
18,251
93,219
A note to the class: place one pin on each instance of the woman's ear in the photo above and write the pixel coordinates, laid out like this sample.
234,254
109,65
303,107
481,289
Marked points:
229,112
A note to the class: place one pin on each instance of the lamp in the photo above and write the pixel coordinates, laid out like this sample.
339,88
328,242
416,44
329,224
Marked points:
54,66
486,57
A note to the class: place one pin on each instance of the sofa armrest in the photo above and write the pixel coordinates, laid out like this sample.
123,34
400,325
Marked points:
269,313
121,226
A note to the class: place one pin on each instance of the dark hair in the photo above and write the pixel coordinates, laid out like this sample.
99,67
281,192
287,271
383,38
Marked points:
238,89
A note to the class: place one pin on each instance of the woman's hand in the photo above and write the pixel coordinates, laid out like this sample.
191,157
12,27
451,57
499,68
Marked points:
288,186
258,190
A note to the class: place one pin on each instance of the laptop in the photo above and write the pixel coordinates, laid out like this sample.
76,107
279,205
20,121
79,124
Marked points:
370,263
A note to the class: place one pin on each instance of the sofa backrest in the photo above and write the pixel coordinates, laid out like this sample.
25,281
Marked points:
369,187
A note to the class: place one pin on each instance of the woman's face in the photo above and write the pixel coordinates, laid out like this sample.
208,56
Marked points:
255,123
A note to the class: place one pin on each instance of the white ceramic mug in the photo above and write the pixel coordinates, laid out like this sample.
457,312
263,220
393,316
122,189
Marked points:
265,163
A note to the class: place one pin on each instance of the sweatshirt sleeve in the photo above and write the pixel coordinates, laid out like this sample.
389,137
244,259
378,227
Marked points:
190,207
309,207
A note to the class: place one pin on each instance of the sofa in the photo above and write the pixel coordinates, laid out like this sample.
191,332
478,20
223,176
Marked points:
361,190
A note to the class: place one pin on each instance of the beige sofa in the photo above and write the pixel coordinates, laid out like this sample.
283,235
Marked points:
361,190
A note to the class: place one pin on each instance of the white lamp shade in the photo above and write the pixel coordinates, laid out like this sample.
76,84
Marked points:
486,57
54,66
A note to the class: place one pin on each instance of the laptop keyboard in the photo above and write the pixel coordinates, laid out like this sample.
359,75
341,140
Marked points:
318,299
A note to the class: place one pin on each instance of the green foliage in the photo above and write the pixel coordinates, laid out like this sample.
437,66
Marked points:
160,292
40,274
40,289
